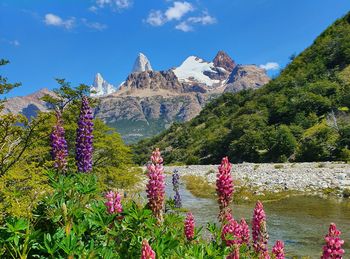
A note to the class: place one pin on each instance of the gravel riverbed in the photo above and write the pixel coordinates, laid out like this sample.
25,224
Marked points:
306,177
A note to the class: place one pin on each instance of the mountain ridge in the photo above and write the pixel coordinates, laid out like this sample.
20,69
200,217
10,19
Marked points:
154,100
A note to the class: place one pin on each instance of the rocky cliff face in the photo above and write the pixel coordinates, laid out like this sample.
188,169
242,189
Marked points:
28,105
246,77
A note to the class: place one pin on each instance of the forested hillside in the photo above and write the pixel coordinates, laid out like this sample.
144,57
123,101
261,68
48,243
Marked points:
302,115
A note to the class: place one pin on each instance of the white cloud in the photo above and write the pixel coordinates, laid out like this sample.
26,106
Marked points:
55,20
187,25
175,12
205,19
114,4
156,18
184,26
178,10
94,25
270,66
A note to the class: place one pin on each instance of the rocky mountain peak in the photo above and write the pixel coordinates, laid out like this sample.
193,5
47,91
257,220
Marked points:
151,80
142,64
222,59
246,77
101,87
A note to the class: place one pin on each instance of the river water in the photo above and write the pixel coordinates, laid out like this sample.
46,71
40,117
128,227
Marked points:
301,222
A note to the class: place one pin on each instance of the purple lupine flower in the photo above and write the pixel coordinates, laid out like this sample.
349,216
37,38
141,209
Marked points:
278,250
176,186
224,187
260,236
59,151
113,202
155,187
333,248
84,137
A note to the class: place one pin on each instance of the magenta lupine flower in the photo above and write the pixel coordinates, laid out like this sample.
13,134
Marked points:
333,248
232,233
234,254
278,250
244,231
147,252
224,187
113,202
189,226
155,187
84,137
259,232
59,151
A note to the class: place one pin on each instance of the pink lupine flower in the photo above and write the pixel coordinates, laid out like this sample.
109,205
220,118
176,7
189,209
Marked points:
113,203
264,255
234,254
278,250
156,158
259,233
244,231
147,252
224,186
189,226
333,248
232,233
156,185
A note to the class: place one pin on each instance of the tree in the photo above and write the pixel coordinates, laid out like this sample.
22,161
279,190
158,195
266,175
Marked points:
281,144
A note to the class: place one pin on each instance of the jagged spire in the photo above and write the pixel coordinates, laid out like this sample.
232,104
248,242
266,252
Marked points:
222,59
142,64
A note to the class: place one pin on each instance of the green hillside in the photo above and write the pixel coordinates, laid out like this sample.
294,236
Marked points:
302,115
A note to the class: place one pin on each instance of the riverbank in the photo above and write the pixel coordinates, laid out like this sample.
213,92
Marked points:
321,178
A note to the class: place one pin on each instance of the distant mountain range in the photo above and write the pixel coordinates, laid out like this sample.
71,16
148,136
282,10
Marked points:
149,101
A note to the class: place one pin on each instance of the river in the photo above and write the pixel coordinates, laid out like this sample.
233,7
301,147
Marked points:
301,222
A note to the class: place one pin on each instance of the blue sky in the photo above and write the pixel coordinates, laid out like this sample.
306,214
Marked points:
50,39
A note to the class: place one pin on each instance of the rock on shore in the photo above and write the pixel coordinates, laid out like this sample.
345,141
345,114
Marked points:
306,177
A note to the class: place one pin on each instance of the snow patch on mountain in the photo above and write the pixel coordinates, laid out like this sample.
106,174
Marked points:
142,64
193,68
101,87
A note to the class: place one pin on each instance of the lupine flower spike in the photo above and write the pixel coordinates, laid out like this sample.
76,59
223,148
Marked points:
259,232
156,185
244,231
176,186
234,254
189,226
113,203
84,138
278,250
232,233
147,252
333,248
59,151
224,187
